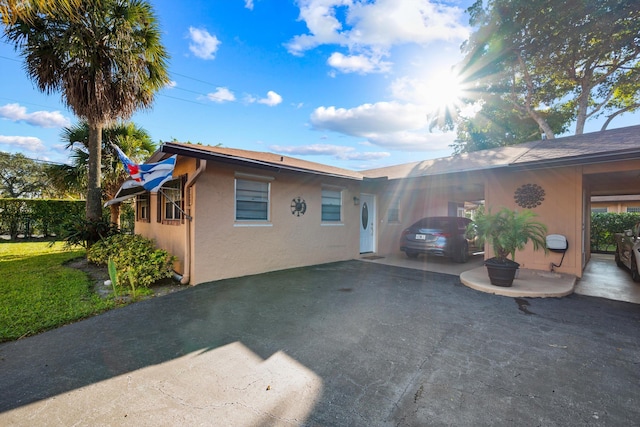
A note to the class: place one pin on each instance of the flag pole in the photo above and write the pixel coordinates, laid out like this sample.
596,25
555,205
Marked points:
189,217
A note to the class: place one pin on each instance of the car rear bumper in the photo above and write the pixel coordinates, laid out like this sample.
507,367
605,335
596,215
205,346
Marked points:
430,250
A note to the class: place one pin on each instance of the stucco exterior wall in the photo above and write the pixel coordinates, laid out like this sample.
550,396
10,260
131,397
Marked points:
170,237
224,247
561,212
420,198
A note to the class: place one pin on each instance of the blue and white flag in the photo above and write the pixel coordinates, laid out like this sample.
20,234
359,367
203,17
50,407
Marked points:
150,176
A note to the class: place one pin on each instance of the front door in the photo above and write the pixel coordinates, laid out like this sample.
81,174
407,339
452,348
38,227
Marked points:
367,222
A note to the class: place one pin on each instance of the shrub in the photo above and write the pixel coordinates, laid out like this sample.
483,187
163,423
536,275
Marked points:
36,216
604,226
83,232
135,257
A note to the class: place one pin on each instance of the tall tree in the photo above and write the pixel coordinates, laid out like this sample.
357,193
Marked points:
12,10
568,59
134,141
106,59
21,176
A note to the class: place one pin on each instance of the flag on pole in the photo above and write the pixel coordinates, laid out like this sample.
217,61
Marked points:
150,176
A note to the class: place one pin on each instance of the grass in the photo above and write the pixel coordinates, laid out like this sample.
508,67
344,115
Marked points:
39,293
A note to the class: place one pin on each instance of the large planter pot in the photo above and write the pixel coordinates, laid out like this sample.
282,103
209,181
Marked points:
501,273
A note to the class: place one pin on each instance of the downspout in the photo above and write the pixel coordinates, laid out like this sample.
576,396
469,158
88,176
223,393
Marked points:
186,275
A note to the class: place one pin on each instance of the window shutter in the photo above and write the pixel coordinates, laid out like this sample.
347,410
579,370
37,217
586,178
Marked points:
159,204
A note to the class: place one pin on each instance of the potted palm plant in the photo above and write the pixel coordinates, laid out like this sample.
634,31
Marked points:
507,232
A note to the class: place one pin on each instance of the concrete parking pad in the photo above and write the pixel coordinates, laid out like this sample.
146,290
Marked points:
348,343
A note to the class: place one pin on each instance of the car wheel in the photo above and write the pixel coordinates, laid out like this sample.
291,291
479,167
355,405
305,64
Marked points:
463,254
619,262
635,275
412,255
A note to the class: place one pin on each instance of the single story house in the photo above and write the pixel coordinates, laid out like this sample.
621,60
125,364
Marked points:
239,212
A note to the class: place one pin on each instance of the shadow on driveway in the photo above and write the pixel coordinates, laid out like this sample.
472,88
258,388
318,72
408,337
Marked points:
350,343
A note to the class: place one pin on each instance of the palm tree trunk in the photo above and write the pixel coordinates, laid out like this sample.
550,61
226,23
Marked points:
94,190
114,210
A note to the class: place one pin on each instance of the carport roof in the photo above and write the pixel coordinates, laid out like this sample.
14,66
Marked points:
596,147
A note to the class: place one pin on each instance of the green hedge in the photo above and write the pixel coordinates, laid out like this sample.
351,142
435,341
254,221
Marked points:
31,217
40,217
605,225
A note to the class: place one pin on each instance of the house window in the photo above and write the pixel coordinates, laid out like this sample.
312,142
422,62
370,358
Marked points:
331,205
598,210
633,209
142,208
171,200
252,200
393,213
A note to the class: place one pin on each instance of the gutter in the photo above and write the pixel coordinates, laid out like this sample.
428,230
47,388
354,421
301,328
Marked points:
186,276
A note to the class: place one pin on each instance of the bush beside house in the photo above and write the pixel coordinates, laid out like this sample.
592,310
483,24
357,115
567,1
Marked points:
604,226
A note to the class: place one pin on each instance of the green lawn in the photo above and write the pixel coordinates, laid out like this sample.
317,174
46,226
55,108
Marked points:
37,292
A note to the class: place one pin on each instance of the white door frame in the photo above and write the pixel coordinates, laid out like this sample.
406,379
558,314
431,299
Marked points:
367,220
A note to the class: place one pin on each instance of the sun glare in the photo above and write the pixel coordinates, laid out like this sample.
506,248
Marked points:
443,90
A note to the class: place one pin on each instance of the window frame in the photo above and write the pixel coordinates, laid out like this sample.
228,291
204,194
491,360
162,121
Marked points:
143,205
254,179
394,207
339,191
162,201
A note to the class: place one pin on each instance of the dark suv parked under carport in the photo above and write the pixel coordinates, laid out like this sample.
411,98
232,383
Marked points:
440,235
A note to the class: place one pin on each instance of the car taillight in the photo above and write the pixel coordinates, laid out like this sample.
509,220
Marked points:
442,234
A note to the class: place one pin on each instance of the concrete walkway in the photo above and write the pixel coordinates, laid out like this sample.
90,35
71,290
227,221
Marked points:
351,343
601,278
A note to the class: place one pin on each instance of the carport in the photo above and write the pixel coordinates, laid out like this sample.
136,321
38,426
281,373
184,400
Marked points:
602,277
566,172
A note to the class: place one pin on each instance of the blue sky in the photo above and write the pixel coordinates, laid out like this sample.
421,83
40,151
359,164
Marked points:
342,82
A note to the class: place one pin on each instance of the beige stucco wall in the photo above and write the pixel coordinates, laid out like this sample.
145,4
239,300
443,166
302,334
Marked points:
419,198
170,237
561,212
226,248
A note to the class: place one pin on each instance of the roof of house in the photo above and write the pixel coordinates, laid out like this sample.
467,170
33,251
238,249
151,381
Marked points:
257,159
596,147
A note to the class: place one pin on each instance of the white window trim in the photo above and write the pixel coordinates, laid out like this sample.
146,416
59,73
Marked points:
341,191
251,222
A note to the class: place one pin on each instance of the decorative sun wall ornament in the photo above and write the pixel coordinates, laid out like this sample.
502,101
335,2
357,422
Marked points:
298,206
529,196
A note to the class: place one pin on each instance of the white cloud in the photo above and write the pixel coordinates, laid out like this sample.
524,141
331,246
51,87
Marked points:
222,94
271,100
203,45
28,143
336,151
370,29
362,64
382,117
248,4
45,119
171,84
392,125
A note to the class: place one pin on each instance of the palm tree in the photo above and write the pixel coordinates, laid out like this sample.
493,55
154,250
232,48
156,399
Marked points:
104,56
134,141
12,10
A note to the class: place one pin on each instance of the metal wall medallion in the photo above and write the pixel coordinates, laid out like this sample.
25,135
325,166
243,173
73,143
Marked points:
298,206
529,196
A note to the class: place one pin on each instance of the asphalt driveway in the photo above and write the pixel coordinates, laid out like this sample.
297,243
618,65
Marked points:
345,344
